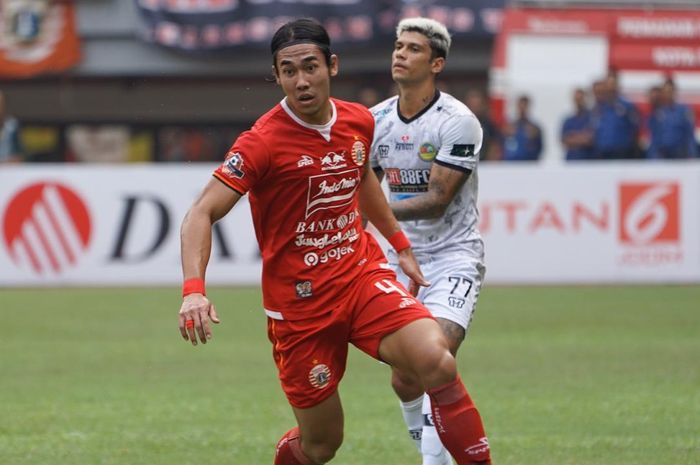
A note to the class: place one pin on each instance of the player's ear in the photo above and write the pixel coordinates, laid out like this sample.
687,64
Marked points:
275,74
333,65
437,65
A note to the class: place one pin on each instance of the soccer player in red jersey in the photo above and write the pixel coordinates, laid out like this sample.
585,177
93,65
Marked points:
326,282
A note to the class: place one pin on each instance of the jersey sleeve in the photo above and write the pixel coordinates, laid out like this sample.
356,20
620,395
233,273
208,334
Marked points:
461,138
245,164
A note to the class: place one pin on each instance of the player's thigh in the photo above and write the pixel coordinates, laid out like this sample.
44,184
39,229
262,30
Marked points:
310,356
382,307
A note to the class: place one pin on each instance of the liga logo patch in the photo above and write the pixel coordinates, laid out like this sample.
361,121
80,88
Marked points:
649,213
320,376
233,166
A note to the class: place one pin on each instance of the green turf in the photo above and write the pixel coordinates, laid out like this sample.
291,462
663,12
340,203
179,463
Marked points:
575,376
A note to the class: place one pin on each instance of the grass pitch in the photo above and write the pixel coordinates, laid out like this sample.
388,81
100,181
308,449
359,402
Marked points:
562,376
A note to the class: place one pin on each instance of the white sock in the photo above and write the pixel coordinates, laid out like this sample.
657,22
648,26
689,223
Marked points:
434,453
413,417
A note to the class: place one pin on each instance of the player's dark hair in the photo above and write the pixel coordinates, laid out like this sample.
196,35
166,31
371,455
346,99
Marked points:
301,31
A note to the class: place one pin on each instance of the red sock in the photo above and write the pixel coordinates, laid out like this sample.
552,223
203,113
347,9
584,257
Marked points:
458,424
289,450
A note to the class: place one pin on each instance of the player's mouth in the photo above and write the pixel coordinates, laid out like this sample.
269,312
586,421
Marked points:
398,66
305,98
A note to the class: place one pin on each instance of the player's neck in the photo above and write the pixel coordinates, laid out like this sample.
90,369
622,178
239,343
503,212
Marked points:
414,98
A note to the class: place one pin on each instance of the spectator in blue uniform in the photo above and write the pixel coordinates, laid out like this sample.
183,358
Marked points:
671,127
577,130
616,123
523,138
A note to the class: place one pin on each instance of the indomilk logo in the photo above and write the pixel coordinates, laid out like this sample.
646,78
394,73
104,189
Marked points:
649,213
328,191
46,227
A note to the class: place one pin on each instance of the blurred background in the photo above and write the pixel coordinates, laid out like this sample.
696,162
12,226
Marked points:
589,109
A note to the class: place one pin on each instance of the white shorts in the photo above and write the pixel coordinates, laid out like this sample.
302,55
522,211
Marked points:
455,283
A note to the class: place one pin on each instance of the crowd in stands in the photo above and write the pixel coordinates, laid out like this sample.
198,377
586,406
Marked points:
604,125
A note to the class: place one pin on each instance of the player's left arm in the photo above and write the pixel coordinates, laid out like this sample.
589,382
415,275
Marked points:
374,207
460,143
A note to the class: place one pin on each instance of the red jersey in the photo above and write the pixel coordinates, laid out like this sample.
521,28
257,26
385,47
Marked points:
303,183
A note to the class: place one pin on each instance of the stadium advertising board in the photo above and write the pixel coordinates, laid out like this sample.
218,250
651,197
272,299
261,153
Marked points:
119,225
225,24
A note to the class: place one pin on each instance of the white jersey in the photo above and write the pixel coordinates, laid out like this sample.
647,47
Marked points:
446,132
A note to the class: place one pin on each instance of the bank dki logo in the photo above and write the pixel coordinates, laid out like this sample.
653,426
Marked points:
46,228
649,213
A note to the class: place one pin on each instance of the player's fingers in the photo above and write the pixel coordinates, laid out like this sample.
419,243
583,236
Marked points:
189,325
181,325
213,315
202,324
413,288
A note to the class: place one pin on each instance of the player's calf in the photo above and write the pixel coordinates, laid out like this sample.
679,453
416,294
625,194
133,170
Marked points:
289,451
459,424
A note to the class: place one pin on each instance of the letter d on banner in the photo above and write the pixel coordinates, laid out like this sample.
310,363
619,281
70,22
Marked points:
160,222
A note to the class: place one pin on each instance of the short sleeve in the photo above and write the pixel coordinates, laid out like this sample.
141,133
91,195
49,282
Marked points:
245,164
461,138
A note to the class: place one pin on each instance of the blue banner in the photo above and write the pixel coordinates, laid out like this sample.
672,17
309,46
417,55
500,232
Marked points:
225,24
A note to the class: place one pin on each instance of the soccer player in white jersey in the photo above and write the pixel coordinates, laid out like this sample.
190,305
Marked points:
426,145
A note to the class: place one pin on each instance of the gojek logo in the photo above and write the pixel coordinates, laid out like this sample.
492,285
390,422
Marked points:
649,213
46,228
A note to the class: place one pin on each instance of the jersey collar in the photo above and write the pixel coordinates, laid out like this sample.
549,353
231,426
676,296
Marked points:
323,129
420,113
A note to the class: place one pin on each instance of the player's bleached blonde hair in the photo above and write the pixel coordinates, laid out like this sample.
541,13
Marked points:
435,31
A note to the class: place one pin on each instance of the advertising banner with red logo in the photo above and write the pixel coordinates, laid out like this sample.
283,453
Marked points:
598,223
37,36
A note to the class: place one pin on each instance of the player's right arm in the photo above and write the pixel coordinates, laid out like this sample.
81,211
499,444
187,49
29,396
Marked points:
215,201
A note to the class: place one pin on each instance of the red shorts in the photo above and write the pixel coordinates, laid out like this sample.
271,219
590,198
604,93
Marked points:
311,354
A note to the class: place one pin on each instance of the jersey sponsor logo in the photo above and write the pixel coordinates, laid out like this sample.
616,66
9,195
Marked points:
327,240
303,289
383,151
462,150
330,224
404,144
407,180
406,301
649,213
305,160
46,228
328,191
233,166
320,376
427,152
313,258
333,161
358,153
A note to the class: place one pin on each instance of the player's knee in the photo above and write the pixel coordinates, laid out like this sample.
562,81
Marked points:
322,451
438,368
407,387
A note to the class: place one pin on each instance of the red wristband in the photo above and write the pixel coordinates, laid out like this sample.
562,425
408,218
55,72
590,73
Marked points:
399,241
193,286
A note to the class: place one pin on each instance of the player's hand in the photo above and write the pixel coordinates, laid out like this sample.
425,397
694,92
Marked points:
198,309
409,265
